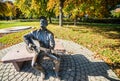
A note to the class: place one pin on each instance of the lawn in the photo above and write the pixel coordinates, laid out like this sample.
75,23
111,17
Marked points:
7,24
102,39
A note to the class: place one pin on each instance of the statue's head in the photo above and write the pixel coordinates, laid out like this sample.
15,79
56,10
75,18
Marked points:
43,22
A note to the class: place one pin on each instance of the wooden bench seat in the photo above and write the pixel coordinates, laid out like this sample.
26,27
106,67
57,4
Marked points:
18,55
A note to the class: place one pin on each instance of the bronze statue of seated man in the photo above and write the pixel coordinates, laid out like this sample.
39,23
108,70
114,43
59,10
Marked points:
46,41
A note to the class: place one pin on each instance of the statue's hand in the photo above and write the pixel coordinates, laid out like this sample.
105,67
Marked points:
31,46
34,48
47,50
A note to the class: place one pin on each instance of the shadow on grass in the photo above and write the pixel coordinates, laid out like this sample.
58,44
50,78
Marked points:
111,31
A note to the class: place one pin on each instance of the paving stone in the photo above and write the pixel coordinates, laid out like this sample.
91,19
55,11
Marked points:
71,79
11,77
67,76
37,73
56,79
5,78
14,79
20,78
5,74
40,79
17,76
1,73
29,75
51,78
34,76
11,73
7,70
25,79
0,78
35,79
77,78
92,78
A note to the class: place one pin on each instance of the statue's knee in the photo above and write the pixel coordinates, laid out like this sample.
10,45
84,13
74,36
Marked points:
58,59
34,65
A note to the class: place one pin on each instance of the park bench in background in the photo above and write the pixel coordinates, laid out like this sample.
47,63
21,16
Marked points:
19,55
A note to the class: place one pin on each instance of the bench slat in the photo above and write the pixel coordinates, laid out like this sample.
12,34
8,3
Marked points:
17,54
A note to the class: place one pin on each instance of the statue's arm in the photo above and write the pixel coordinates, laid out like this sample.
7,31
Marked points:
28,38
52,41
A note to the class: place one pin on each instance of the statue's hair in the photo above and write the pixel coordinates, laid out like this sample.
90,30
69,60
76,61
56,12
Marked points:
43,17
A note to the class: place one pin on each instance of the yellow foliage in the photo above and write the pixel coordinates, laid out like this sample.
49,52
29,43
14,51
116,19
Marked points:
51,4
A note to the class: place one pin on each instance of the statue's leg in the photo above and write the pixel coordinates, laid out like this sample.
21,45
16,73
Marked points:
56,61
57,66
38,64
40,69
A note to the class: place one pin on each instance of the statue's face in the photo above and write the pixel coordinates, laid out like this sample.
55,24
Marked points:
43,23
43,27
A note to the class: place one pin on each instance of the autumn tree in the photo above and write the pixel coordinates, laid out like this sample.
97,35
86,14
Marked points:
7,9
76,8
57,6
32,8
11,8
18,13
105,7
93,9
24,6
3,8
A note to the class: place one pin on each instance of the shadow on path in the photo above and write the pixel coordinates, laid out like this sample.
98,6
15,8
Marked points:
75,68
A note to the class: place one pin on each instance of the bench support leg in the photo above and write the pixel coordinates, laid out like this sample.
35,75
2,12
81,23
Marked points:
17,65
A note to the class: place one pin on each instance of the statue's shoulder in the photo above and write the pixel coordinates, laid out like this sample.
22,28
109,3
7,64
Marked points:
49,32
34,31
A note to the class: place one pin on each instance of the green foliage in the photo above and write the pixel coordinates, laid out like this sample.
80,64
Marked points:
24,6
79,8
115,14
94,8
33,8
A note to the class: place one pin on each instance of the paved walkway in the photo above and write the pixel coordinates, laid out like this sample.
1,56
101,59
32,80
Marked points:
77,65
14,29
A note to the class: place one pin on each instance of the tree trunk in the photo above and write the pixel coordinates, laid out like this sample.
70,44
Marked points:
75,21
4,17
61,14
50,21
10,17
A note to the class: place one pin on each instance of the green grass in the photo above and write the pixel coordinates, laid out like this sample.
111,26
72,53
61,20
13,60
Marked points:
7,24
102,39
